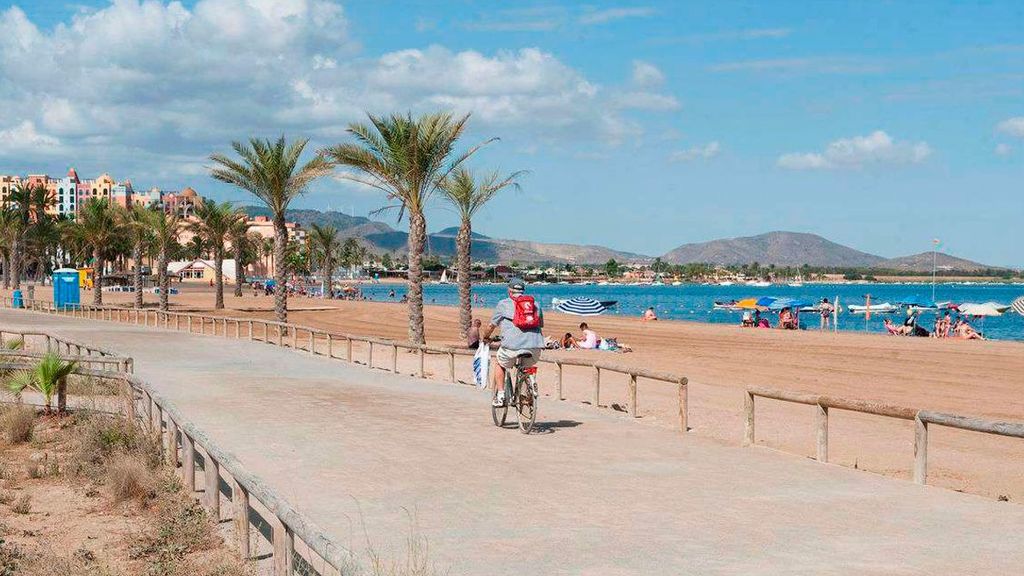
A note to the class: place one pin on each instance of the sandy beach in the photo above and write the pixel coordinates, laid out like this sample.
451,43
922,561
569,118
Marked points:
965,377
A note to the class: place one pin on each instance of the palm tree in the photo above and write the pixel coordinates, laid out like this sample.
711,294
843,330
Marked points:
135,221
213,222
468,195
324,247
48,377
407,159
8,230
164,226
270,170
238,235
97,228
20,202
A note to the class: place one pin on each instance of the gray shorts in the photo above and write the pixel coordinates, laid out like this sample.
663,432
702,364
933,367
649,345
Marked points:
507,358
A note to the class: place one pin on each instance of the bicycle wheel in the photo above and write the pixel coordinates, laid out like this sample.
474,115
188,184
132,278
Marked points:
526,403
499,413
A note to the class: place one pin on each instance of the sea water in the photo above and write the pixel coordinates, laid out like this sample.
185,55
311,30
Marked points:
695,302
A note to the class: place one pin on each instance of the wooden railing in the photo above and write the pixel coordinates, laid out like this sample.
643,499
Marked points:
305,338
187,448
84,354
921,418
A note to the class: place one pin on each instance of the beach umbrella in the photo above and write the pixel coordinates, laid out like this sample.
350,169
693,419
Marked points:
766,301
1018,305
781,303
749,304
986,309
580,306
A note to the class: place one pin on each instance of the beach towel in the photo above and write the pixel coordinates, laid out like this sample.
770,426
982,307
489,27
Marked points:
481,364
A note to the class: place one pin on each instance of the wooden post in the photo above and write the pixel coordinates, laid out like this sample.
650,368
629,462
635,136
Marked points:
240,503
821,424
238,329
284,548
188,469
423,353
394,358
250,330
348,349
172,443
560,395
312,343
211,470
597,386
632,395
920,450
451,366
748,427
330,345
295,338
280,336
189,323
177,322
684,405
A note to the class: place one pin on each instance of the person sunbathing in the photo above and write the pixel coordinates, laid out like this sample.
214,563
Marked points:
568,342
962,329
894,329
649,315
589,339
787,321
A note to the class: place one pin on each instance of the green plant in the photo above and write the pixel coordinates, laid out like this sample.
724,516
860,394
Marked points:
48,377
214,221
15,344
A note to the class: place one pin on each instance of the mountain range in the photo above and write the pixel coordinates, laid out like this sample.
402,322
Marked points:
778,248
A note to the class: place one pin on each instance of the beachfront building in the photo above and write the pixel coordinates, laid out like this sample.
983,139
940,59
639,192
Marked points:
7,184
202,271
65,194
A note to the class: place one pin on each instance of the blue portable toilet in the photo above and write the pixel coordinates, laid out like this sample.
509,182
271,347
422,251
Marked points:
16,301
65,288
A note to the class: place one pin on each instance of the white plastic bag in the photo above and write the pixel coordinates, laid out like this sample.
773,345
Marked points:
482,365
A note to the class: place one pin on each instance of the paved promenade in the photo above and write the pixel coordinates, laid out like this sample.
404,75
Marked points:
593,493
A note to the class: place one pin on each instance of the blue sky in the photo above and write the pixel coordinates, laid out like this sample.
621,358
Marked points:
644,125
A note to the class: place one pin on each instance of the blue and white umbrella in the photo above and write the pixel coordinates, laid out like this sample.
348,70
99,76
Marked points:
1018,305
581,306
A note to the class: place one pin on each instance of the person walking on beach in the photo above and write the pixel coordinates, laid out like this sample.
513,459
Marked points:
826,309
520,323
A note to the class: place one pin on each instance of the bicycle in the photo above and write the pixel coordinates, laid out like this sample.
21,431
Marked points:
521,394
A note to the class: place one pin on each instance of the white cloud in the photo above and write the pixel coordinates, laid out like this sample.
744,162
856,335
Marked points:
1012,126
646,75
168,81
1003,149
24,138
702,152
613,14
875,148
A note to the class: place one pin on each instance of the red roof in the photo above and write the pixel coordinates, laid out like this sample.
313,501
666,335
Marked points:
72,174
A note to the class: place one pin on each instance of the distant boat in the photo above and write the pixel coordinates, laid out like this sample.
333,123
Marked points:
677,283
759,284
797,284
883,308
725,283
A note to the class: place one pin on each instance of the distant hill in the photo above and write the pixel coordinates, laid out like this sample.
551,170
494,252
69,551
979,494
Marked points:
923,263
381,237
778,248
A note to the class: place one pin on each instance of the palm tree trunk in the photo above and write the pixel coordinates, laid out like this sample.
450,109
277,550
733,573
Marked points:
218,276
16,248
325,280
7,269
62,395
97,277
280,269
236,247
462,247
417,240
162,279
137,277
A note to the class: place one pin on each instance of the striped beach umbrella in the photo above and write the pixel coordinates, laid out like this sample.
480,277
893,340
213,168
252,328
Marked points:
581,306
1018,305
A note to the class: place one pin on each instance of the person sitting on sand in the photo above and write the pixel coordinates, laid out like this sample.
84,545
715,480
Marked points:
787,321
589,339
473,335
649,315
748,320
568,342
963,329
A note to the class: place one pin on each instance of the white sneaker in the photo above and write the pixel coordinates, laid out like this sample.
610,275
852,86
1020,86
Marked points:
499,399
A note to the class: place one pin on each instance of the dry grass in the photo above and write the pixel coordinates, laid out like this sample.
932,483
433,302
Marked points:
22,505
130,478
101,437
17,423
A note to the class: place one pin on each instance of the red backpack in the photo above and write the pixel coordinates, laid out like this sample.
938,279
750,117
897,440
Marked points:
526,316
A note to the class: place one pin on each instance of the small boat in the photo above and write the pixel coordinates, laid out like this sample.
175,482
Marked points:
677,283
759,284
883,308
725,283
729,305
444,277
796,284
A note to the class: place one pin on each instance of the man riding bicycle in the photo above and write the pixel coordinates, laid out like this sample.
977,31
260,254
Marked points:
520,322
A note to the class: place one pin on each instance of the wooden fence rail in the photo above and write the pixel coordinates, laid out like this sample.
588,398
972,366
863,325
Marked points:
921,418
305,338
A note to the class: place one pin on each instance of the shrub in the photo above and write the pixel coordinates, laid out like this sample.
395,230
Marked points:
6,497
130,478
100,438
17,424
22,505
